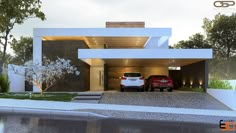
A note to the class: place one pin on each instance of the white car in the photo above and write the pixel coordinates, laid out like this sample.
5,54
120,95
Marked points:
132,80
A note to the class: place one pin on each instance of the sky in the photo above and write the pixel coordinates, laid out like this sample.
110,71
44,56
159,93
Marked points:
185,17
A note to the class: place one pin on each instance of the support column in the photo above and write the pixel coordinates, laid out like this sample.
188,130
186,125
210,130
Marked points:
205,85
37,54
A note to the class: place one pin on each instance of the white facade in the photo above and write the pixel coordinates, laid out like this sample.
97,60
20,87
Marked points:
227,97
17,82
155,47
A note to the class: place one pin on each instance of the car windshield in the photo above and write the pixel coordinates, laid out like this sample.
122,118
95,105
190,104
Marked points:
160,76
132,74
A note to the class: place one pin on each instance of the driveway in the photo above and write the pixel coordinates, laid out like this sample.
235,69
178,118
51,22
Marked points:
193,100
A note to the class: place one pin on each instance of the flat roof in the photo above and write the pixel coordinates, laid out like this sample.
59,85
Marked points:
145,53
144,57
103,32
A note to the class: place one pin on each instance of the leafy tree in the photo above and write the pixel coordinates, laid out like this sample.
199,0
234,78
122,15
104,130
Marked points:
14,12
221,32
8,58
23,49
195,41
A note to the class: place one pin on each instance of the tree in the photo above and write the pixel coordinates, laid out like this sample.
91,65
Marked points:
23,49
47,74
8,58
221,32
14,12
195,41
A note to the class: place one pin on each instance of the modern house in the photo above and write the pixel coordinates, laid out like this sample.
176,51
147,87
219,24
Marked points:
103,54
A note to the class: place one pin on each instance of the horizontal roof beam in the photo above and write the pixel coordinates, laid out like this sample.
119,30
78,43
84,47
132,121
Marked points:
103,32
145,53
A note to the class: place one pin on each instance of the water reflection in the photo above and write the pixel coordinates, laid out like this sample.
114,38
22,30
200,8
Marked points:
39,124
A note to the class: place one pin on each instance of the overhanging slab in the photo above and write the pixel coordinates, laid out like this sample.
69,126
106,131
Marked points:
105,32
145,53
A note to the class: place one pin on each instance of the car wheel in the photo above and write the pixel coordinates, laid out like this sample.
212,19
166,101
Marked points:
142,89
151,88
170,89
121,89
161,89
146,88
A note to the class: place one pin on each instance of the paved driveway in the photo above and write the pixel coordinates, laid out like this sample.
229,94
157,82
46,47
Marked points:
164,99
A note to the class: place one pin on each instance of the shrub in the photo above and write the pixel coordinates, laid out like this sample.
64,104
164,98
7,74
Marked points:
220,84
4,83
191,89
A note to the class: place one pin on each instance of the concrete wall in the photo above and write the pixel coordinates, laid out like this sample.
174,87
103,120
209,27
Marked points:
114,74
195,74
68,50
228,97
17,82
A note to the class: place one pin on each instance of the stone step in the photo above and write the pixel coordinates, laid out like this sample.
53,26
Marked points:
86,101
90,94
87,97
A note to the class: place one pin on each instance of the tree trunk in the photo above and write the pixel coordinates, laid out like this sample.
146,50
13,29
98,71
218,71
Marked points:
228,52
41,92
40,88
228,62
4,50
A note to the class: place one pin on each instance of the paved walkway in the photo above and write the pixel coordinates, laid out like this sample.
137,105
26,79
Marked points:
193,100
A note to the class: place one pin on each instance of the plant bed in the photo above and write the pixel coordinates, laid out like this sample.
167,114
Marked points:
66,97
191,89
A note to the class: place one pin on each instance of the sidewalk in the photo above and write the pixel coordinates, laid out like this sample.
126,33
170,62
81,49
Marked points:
13,105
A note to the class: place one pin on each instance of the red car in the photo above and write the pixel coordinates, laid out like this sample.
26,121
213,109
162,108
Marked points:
159,82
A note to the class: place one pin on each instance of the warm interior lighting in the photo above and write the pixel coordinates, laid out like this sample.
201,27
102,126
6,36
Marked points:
191,82
183,82
200,82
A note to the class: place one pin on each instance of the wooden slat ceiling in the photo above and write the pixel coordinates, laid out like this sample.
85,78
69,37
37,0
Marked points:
108,42
151,62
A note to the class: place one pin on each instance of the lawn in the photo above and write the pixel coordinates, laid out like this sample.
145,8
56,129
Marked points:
66,97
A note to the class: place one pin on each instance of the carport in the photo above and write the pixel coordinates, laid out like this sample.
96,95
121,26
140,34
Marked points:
185,66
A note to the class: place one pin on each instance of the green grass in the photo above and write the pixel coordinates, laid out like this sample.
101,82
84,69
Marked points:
191,89
66,97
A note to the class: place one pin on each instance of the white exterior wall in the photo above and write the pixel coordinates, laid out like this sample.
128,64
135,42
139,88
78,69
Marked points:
145,53
103,32
227,97
37,54
17,82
